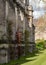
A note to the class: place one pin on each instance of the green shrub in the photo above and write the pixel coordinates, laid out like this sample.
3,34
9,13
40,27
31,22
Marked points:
40,43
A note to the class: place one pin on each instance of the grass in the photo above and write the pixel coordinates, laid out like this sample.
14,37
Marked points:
37,59
40,59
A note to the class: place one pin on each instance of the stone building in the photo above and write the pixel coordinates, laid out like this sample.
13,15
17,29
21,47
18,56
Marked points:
20,13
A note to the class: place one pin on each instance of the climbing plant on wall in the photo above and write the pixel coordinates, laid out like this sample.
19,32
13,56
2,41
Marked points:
26,41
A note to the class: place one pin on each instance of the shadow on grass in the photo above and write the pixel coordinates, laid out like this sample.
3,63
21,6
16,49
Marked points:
19,62
24,59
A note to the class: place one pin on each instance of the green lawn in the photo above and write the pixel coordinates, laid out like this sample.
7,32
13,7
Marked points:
37,59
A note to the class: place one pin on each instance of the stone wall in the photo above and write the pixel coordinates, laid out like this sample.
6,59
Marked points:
21,20
2,19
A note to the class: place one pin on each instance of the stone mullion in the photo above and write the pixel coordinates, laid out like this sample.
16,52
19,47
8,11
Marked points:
24,23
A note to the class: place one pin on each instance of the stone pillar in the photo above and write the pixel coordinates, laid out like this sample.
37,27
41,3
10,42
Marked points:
6,17
22,29
6,13
30,21
32,29
18,30
23,25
